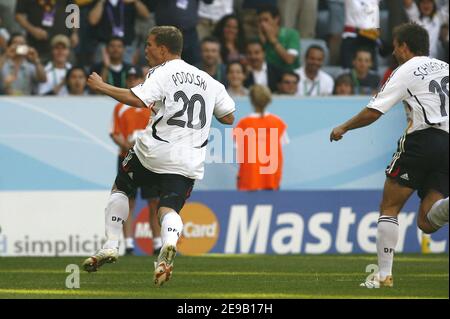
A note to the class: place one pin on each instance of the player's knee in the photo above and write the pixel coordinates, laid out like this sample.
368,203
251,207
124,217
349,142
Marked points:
424,225
172,201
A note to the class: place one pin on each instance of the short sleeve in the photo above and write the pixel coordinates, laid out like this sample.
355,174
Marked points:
392,92
293,43
224,103
151,90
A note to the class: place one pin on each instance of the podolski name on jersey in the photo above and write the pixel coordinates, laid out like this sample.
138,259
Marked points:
191,78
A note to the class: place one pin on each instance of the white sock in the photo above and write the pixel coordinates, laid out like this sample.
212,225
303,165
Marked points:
157,243
171,228
129,242
387,237
438,214
116,213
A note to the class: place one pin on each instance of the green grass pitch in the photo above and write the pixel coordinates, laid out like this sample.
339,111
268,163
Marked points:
227,276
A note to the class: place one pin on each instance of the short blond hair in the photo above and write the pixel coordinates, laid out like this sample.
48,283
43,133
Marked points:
168,36
260,96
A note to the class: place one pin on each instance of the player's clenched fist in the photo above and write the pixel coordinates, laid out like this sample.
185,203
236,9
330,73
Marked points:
337,133
94,81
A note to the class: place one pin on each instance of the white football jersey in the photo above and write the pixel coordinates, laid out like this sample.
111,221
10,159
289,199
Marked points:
362,14
422,85
184,99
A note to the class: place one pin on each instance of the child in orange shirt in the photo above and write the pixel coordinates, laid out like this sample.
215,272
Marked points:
258,140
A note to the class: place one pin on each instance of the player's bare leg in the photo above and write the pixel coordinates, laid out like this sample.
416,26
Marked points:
433,212
116,214
171,228
128,229
154,225
394,197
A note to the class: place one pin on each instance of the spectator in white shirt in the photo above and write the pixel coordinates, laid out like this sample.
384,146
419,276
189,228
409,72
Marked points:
57,68
427,15
210,14
314,81
362,23
260,72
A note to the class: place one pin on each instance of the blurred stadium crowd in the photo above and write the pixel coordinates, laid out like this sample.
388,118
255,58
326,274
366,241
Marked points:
294,47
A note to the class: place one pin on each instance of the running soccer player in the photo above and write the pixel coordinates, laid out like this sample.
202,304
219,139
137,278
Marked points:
171,152
421,160
128,122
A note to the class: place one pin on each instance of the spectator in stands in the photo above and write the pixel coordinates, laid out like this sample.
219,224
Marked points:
427,15
365,81
259,138
42,19
210,14
76,80
362,23
20,68
235,79
116,18
288,83
248,13
259,71
211,62
142,27
314,81
182,14
300,15
85,50
57,68
230,33
343,85
114,69
336,23
282,45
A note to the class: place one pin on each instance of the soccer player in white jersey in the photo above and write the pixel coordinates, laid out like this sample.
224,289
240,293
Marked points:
171,151
421,160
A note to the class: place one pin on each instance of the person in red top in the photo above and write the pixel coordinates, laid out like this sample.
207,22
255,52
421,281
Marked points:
259,138
128,121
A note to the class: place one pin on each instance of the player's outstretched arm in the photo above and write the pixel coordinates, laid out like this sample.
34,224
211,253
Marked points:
366,117
95,83
227,119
